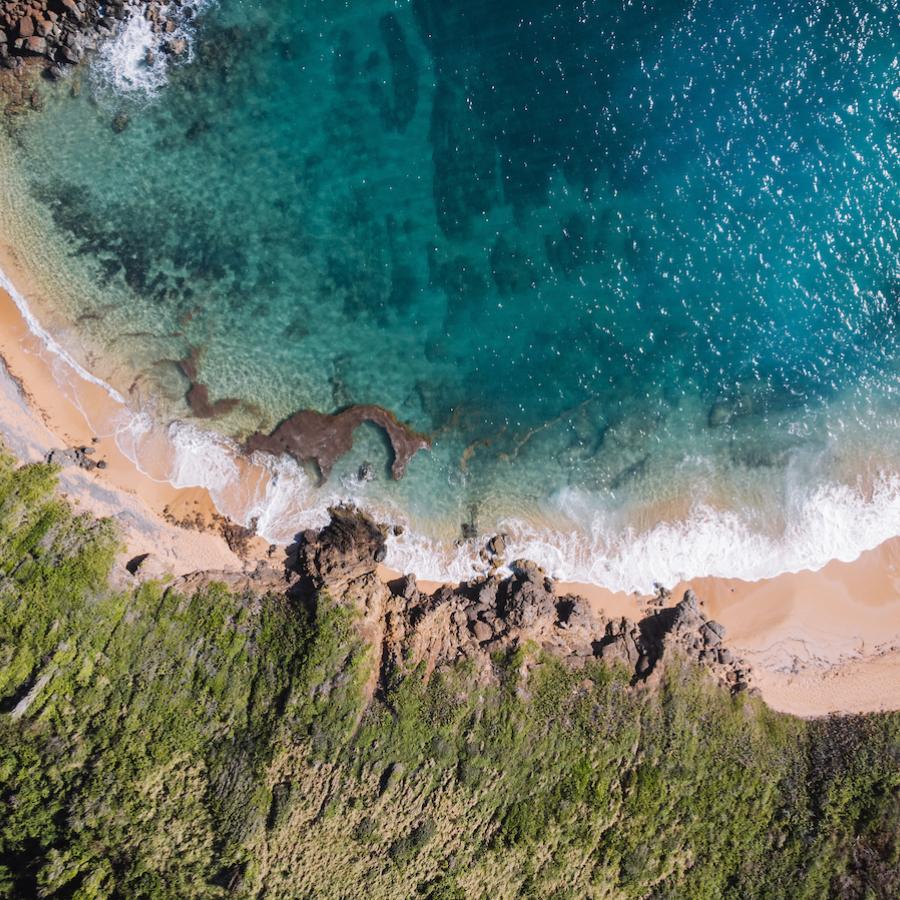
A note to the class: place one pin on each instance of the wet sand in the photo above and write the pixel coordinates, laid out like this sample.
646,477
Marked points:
44,405
819,642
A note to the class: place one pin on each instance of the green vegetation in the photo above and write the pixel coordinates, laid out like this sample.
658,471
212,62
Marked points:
160,745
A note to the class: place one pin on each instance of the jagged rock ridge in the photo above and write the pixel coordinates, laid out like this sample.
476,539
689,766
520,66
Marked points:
478,617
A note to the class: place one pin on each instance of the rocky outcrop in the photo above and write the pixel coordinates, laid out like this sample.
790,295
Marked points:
320,438
350,546
494,613
57,33
80,457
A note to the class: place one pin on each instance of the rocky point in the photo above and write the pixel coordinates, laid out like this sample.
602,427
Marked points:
56,34
411,627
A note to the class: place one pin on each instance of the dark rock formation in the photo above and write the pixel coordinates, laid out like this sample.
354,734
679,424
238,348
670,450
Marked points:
82,457
197,395
349,546
495,614
311,436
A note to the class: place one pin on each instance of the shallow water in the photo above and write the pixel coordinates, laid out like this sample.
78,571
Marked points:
633,266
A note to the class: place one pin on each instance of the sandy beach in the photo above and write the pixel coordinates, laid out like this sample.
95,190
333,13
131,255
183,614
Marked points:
819,642
45,405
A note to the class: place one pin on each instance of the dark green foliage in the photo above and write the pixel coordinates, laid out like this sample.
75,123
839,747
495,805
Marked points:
160,745
408,846
444,888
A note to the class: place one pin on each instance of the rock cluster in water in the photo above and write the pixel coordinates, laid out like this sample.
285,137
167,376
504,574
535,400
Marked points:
320,438
197,394
57,33
415,627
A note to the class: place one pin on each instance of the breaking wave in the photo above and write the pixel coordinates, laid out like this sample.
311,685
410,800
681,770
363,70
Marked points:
137,59
827,522
822,523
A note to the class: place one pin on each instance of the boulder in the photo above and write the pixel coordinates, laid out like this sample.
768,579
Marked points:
72,8
406,588
522,602
497,546
623,644
486,595
351,545
75,456
36,45
687,616
146,567
71,55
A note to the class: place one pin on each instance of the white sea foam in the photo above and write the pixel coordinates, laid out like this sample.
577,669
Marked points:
48,340
821,523
289,502
202,459
135,62
130,431
131,62
829,522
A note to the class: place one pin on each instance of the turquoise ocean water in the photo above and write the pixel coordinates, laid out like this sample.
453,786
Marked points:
635,266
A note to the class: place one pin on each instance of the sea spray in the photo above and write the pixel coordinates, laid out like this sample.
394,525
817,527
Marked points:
136,61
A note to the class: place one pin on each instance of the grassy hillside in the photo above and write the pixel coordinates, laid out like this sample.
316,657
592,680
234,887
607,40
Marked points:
160,745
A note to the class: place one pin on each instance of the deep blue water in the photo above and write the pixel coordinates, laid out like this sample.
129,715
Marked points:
620,259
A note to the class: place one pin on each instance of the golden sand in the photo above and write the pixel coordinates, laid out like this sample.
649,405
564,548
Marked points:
41,411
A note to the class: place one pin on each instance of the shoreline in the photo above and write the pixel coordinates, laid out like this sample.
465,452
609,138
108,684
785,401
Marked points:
819,642
36,417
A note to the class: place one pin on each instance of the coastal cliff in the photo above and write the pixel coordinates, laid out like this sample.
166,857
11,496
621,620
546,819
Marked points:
412,629
309,728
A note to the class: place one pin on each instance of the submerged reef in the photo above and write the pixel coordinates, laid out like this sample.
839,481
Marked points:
197,394
310,436
309,729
